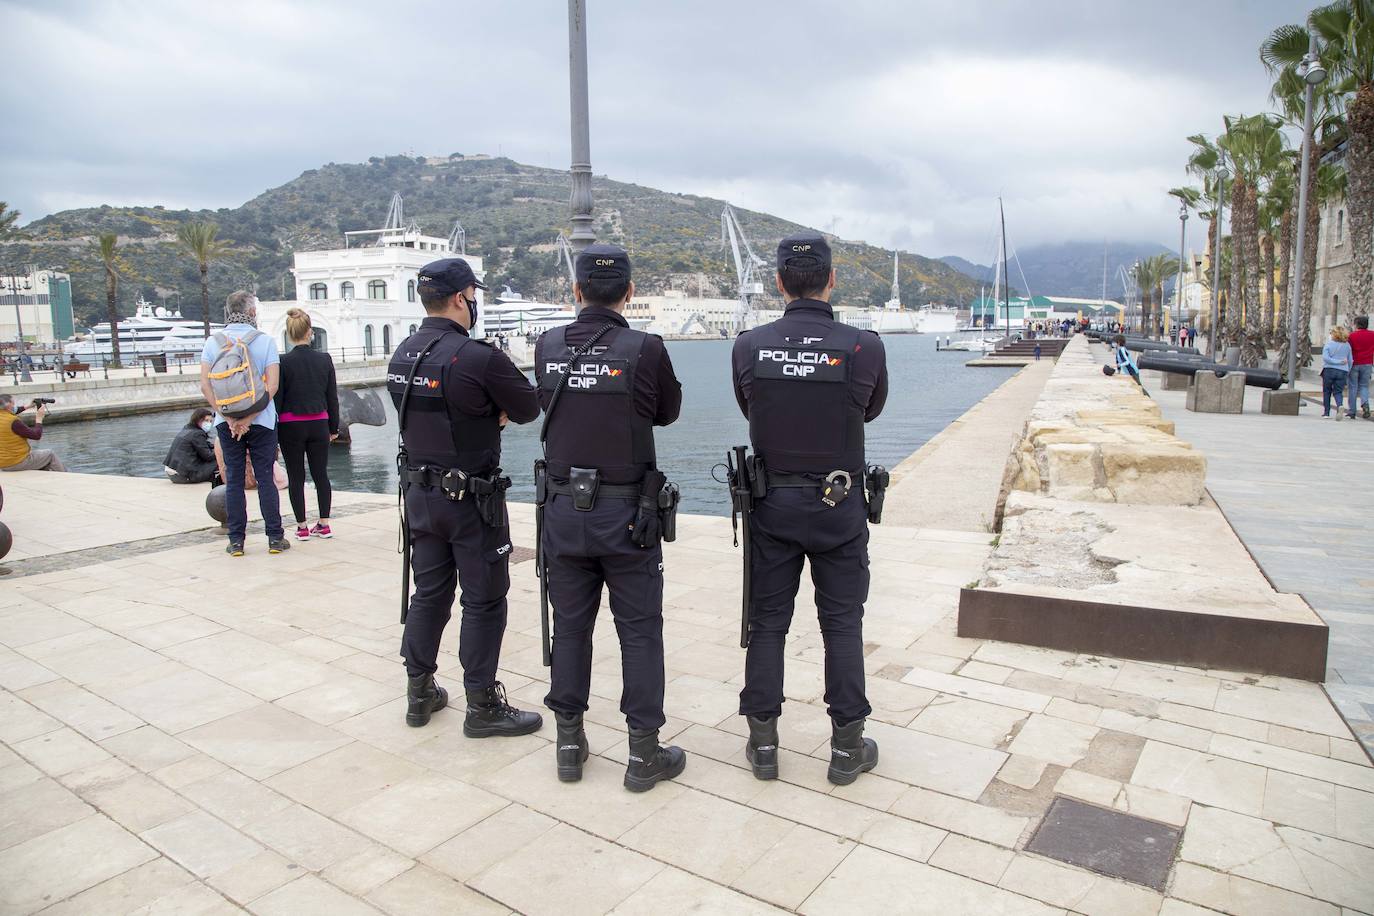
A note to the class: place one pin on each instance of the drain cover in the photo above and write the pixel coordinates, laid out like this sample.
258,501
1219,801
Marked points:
521,554
1108,842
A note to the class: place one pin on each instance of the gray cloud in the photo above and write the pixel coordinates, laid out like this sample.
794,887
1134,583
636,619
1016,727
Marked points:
895,122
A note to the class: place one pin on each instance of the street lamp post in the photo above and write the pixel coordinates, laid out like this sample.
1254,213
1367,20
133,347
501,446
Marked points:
1178,283
581,202
21,373
1214,332
1313,74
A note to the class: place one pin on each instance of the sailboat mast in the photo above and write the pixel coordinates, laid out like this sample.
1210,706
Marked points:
1006,269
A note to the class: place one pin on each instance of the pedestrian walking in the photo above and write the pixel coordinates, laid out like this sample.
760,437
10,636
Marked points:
1362,364
308,420
1336,362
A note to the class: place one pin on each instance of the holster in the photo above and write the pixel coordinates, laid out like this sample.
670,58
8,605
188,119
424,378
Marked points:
490,494
668,499
584,482
876,481
647,528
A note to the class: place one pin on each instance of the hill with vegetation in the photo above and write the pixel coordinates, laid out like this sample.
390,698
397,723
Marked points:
511,213
1064,268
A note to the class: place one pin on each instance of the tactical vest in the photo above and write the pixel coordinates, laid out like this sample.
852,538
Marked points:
436,433
14,448
802,416
595,424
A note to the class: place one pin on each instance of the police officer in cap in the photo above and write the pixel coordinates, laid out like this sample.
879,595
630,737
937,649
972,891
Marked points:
808,384
604,387
453,395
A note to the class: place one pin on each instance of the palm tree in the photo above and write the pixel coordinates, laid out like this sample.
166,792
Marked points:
1206,163
201,241
1256,147
1162,267
8,217
1283,191
1145,285
106,245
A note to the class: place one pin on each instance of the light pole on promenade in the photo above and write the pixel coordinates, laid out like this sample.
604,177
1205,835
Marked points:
581,202
1213,331
1313,74
1178,283
22,372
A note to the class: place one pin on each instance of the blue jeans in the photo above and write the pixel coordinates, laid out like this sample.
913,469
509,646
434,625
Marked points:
259,445
1333,386
1359,385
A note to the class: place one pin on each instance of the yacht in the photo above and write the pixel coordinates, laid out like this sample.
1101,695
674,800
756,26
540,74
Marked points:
150,331
513,315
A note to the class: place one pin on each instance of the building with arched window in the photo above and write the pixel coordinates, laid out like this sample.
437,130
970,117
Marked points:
383,263
1332,303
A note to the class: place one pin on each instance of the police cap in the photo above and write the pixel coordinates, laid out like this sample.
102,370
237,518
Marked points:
804,250
602,262
448,276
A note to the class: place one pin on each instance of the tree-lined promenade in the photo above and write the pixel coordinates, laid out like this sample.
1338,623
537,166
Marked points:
1252,170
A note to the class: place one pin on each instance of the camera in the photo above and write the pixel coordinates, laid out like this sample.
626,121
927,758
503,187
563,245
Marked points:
39,402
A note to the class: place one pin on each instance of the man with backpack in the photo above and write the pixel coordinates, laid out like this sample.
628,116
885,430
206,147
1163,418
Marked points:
238,375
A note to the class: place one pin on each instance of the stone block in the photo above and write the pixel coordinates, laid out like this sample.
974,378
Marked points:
1282,403
1069,466
1155,475
1175,381
1211,393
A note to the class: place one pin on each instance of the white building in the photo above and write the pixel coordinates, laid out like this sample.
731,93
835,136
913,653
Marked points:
44,306
362,298
674,312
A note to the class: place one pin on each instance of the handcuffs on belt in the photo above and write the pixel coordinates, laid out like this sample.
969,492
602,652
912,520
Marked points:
828,488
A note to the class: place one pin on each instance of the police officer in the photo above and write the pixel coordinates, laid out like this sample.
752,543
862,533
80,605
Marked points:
604,387
808,383
460,393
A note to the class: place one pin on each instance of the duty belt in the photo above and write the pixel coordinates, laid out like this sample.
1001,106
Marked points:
775,479
454,482
612,490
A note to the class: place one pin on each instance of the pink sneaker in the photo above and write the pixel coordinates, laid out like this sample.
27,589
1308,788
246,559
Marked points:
302,533
321,531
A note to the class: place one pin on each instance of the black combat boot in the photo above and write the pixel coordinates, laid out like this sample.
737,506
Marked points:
762,749
489,714
424,697
850,753
651,763
572,746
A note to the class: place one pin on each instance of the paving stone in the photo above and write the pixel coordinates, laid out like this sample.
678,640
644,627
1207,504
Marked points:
36,807
422,891
251,878
91,715
137,802
707,836
150,883
933,762
417,814
972,721
903,837
147,748
182,700
533,880
788,873
62,751
972,858
343,778
959,816
1052,740
364,872
1204,778
201,844
1106,841
66,861
309,896
1234,894
864,882
263,741
673,892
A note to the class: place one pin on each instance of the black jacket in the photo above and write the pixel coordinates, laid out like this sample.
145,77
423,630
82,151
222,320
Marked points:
307,384
190,452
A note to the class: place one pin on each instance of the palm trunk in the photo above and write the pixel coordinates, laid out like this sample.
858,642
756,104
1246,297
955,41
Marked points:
1359,170
1270,304
1285,294
205,296
114,316
1235,301
1252,348
1309,266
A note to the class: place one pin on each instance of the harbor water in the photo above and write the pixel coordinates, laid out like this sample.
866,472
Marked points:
927,390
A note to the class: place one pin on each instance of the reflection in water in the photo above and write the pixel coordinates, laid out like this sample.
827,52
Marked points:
927,391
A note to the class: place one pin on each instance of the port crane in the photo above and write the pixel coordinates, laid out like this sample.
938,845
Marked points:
458,239
563,251
732,234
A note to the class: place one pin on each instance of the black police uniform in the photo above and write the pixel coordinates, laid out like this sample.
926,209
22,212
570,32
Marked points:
613,397
452,424
807,384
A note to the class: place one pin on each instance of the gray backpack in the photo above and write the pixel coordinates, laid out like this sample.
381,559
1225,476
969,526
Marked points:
238,384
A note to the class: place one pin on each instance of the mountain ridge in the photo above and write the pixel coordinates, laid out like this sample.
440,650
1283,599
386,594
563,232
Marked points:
1071,268
510,211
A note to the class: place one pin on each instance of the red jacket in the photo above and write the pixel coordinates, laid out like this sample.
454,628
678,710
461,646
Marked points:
1362,346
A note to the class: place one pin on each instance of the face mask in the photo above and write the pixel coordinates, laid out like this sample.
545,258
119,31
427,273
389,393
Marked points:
472,308
207,425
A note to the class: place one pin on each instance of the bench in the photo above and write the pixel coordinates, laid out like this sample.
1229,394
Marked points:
72,368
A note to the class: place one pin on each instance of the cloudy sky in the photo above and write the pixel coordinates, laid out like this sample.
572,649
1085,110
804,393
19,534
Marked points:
894,122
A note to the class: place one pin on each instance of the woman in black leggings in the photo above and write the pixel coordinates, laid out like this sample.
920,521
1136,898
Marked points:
308,420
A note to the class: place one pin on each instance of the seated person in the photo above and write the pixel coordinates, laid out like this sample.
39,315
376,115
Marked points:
250,482
16,454
191,459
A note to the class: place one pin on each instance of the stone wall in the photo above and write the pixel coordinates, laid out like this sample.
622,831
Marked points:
1094,438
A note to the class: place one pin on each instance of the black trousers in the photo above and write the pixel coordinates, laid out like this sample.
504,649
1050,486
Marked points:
585,551
451,547
303,440
787,526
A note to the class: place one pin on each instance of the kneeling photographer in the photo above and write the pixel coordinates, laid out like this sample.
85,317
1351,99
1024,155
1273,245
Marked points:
16,453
